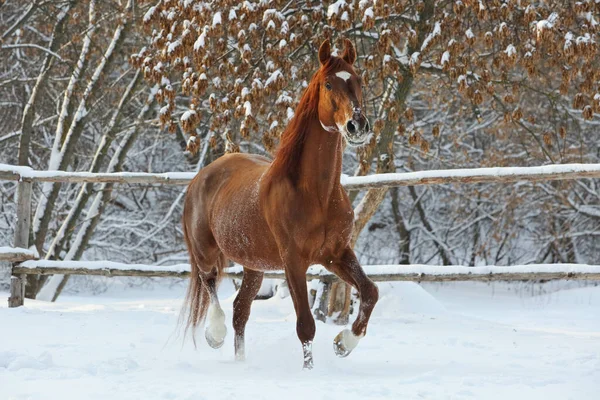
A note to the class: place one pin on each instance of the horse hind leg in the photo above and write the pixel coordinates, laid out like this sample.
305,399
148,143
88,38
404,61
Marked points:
215,330
242,304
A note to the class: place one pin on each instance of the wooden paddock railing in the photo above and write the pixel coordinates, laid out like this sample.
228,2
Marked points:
25,261
378,273
476,175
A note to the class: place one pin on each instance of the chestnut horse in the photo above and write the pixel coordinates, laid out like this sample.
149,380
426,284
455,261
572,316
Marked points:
287,214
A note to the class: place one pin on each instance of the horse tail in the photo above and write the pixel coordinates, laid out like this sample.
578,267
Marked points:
197,298
195,304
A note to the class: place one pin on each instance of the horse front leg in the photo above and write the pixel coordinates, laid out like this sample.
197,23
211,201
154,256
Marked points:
295,273
349,270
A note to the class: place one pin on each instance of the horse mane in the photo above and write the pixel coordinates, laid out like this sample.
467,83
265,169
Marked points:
289,153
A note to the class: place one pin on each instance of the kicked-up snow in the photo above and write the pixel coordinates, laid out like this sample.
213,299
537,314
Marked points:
435,341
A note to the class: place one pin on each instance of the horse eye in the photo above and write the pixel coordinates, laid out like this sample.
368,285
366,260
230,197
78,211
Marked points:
327,85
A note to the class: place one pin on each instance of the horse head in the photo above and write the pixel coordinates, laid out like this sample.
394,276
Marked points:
340,95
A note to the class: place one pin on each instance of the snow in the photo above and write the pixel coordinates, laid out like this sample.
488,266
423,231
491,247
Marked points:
217,19
149,14
334,8
459,341
271,14
245,92
547,23
510,50
585,39
285,27
172,47
187,115
201,41
276,75
590,18
414,58
437,31
102,265
284,98
81,112
247,108
30,252
445,58
368,14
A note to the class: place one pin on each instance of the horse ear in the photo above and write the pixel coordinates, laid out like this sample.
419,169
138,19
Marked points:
349,54
324,52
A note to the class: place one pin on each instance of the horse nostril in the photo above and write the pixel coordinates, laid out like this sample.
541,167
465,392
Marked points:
351,127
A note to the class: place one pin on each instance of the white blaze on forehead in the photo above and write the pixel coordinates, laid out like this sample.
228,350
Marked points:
344,75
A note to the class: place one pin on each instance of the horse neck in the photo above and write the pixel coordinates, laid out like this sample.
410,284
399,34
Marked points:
320,165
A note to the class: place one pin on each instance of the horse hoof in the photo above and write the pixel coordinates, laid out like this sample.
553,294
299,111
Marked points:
344,343
215,337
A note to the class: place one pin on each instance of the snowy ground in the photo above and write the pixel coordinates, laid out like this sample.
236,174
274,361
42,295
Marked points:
453,341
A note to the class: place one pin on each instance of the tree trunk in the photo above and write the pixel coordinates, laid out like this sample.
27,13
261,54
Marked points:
403,233
384,150
58,35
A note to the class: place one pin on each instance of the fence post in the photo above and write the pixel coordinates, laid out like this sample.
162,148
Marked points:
17,282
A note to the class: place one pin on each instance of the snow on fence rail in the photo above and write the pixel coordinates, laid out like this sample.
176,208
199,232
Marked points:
378,273
17,254
476,175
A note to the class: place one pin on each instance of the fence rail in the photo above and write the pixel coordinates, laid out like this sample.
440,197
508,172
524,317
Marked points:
477,175
378,273
17,254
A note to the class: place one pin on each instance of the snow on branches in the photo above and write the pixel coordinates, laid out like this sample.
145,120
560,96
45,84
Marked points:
233,57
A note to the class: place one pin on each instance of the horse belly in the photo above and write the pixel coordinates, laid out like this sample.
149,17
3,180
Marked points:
242,233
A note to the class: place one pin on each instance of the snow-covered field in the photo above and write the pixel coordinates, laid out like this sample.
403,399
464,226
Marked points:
452,341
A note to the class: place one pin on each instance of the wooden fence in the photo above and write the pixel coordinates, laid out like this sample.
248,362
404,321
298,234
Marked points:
378,273
25,261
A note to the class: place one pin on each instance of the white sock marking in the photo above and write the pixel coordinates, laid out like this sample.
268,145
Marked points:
349,340
216,322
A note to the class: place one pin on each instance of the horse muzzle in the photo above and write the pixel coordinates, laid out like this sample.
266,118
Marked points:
357,130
